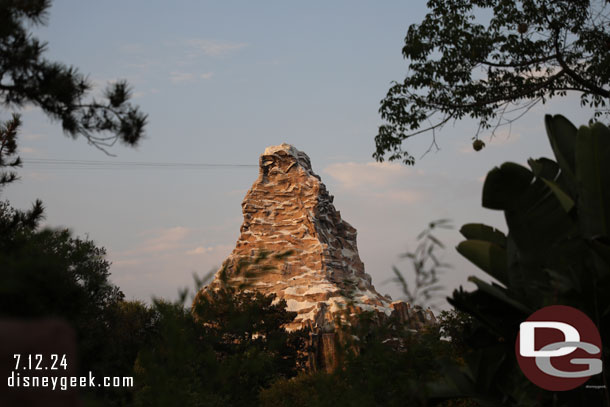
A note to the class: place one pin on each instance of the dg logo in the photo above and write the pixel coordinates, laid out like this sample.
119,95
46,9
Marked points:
559,348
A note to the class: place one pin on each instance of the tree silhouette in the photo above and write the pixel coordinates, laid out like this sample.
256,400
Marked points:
493,61
27,78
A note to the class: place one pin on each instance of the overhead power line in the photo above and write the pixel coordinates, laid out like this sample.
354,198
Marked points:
59,164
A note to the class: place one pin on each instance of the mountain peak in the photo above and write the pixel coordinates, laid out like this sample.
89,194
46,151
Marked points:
288,208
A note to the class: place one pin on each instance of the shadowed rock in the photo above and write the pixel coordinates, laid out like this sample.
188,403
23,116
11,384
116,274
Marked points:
288,208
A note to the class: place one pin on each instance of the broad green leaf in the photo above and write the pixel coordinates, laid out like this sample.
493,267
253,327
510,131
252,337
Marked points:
544,168
479,231
504,184
566,202
550,170
602,249
489,257
562,135
593,175
499,294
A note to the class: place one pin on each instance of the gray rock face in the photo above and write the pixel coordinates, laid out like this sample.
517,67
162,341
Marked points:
288,208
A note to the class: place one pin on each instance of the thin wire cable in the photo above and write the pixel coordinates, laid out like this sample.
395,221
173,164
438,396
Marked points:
61,164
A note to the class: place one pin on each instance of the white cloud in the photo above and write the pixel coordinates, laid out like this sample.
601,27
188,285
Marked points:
503,137
33,136
166,239
386,182
187,77
199,250
28,108
132,48
466,149
209,249
165,261
352,175
404,196
29,151
163,240
181,77
215,48
38,176
162,277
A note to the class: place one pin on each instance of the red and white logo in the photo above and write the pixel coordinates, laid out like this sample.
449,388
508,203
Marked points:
559,348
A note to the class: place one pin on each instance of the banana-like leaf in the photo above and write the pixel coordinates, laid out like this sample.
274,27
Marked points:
544,168
535,217
504,184
593,175
536,211
562,135
498,317
564,199
479,231
485,366
602,249
489,257
550,170
499,293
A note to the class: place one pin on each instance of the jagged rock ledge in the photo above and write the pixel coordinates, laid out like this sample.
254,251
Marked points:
288,208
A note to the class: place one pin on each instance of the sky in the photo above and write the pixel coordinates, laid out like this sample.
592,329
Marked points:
220,81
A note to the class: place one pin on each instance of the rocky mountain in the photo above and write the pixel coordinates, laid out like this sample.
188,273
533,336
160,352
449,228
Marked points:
288,208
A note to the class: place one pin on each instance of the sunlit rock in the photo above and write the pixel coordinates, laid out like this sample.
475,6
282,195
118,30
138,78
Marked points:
288,208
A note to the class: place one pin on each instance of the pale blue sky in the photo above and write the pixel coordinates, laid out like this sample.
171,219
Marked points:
220,82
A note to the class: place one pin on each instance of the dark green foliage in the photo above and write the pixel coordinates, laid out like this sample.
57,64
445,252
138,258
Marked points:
307,390
51,273
8,149
27,78
457,327
493,61
48,272
13,221
222,353
556,252
178,367
388,369
129,328
246,322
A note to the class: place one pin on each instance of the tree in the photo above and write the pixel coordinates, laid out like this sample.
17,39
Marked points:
229,346
51,273
388,368
242,324
26,77
8,149
557,252
493,61
129,327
